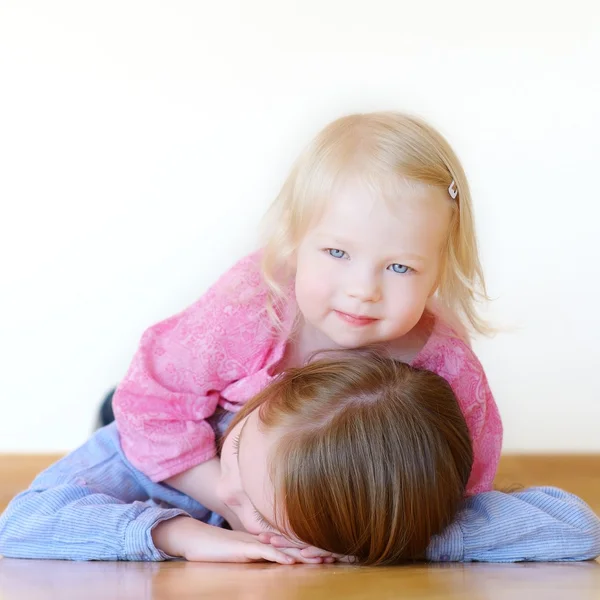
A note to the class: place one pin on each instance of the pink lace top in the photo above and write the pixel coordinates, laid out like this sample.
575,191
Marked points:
222,350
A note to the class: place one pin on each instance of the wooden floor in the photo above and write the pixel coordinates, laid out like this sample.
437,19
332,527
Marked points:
33,580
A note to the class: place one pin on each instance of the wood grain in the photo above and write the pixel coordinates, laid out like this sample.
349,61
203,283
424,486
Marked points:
41,580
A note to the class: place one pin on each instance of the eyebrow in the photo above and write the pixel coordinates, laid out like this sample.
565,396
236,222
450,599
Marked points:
267,521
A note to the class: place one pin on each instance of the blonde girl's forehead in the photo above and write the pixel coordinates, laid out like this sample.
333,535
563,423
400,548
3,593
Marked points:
394,190
347,156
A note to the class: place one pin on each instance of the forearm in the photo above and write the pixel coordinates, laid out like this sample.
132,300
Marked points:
170,536
69,522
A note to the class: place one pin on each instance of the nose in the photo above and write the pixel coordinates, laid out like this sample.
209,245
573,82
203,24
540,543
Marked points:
364,285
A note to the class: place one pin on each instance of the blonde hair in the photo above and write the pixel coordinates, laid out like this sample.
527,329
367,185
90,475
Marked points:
379,147
373,458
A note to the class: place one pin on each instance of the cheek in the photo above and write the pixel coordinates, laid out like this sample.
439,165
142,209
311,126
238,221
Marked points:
308,291
313,280
250,523
407,299
227,490
243,510
229,487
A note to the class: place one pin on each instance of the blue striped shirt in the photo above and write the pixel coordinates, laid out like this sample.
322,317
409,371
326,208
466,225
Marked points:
94,505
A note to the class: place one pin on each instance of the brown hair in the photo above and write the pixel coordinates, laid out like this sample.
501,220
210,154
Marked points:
374,456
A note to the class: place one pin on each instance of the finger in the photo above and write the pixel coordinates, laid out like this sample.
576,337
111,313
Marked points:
345,559
276,540
311,552
263,552
265,538
283,559
298,557
280,541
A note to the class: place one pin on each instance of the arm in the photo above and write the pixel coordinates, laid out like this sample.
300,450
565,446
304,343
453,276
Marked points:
71,522
94,505
88,506
538,524
182,365
199,542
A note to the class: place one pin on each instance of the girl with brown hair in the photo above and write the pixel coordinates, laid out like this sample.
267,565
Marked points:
352,455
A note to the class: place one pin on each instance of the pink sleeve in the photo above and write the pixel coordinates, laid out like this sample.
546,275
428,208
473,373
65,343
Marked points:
454,360
181,366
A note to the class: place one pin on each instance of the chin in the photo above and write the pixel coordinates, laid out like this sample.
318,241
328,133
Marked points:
349,341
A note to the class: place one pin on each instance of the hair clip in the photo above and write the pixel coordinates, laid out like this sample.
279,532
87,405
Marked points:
452,190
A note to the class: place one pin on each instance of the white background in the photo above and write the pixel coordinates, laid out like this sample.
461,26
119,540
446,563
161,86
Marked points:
140,143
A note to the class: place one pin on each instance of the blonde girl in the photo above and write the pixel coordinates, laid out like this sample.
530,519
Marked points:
371,241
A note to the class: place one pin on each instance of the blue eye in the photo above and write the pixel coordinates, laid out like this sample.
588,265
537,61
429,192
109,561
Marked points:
398,268
336,253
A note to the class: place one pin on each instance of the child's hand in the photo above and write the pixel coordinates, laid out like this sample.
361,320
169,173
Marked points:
199,542
283,543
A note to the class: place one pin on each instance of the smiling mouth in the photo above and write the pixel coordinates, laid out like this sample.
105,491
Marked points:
355,320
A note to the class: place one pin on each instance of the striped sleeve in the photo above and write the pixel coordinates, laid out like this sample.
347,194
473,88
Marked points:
72,523
537,524
91,505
